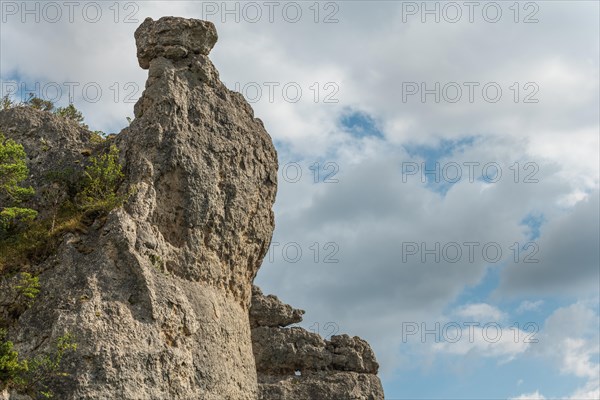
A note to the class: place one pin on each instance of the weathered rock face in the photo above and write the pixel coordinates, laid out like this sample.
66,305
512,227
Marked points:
269,311
53,146
204,167
294,364
173,38
157,295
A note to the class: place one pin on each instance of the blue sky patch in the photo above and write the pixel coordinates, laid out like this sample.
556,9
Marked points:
360,124
437,176
533,223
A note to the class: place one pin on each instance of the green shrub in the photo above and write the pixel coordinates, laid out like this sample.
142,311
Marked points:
73,200
28,287
71,113
6,103
10,367
31,376
11,215
97,137
39,239
101,182
39,104
13,171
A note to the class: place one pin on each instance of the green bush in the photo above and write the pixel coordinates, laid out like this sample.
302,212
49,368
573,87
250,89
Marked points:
10,367
13,171
74,200
101,182
71,113
10,215
6,103
28,287
31,376
39,104
39,239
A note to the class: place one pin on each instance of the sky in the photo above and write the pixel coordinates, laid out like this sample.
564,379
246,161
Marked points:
439,169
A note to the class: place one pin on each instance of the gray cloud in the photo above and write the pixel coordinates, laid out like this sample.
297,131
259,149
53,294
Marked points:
569,261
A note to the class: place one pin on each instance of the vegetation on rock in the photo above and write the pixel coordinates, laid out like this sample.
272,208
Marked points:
13,171
102,179
72,197
69,112
31,375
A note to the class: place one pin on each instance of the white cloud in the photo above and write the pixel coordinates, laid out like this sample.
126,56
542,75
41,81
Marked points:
570,339
487,341
530,396
480,312
527,305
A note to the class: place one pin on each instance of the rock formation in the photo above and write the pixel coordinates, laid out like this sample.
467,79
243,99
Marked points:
157,293
294,364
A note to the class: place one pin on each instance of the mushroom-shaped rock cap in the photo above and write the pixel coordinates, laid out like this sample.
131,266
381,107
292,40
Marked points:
173,38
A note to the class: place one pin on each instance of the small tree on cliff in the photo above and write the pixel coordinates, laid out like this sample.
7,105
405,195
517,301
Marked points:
13,171
71,113
38,103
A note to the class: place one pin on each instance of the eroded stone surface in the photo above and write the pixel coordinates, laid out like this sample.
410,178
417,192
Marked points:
321,385
157,293
270,311
294,364
173,38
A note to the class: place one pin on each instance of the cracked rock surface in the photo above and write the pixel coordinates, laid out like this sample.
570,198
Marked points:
294,364
158,294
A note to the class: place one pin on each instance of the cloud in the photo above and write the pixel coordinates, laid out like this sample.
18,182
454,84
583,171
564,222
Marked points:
493,341
530,396
480,312
570,339
480,329
527,305
568,256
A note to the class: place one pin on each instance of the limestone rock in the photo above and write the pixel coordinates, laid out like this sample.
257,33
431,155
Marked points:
173,38
270,311
352,354
54,146
322,386
294,364
286,350
12,395
156,294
